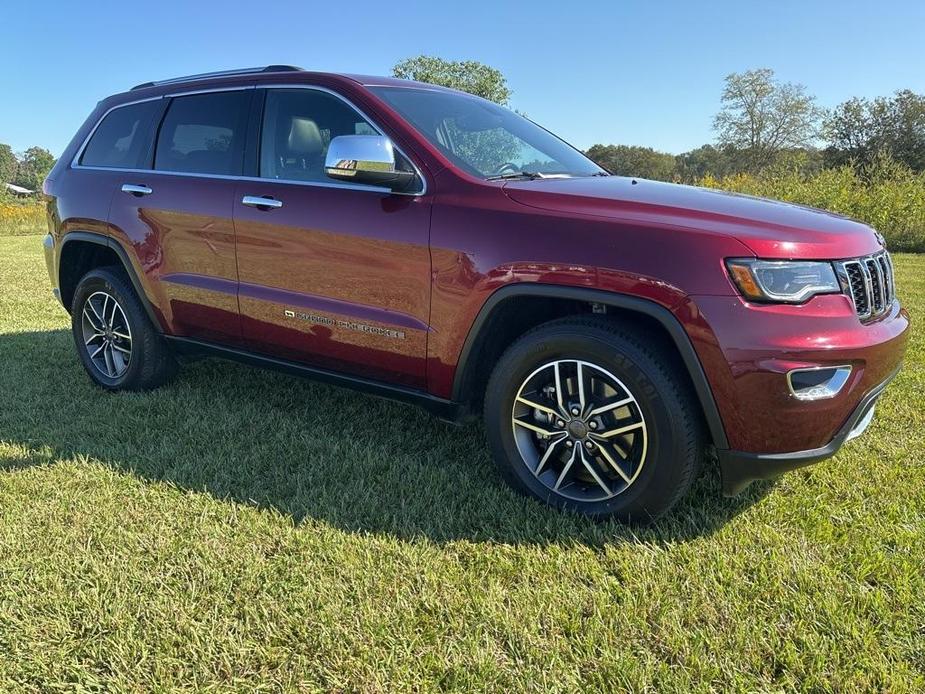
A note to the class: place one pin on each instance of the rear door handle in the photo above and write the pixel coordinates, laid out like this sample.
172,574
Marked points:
137,191
256,201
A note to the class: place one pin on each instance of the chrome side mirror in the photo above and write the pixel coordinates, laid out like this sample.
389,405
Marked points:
365,159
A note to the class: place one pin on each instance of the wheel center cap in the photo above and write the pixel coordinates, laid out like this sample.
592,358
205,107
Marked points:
577,429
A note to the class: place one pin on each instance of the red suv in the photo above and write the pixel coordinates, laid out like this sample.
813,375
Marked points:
431,246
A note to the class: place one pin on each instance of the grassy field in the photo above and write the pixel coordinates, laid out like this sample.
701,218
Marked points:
242,530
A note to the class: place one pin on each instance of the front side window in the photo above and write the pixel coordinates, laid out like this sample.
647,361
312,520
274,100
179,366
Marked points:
122,139
204,133
483,138
298,126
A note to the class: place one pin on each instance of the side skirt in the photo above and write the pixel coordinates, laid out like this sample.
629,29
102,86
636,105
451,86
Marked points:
446,410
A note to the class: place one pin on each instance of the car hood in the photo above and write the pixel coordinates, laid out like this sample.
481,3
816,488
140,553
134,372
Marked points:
771,229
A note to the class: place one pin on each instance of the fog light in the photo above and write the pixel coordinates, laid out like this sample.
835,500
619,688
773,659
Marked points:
818,382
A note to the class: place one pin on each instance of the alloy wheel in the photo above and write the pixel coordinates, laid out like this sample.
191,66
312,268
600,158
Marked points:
107,336
579,430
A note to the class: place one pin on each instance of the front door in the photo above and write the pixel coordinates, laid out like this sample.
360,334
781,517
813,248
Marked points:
333,275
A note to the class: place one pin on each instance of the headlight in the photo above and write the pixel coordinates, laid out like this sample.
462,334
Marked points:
788,281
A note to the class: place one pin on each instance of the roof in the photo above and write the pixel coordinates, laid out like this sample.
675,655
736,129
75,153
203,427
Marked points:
221,73
365,80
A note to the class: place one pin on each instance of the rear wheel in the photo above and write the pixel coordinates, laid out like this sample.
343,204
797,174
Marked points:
116,342
584,414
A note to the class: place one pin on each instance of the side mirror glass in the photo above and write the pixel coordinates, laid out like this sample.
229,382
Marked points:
366,159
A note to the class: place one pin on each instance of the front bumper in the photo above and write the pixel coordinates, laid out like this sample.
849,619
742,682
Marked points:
748,350
739,468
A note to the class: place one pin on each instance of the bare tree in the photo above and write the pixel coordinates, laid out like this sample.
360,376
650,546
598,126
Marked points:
763,117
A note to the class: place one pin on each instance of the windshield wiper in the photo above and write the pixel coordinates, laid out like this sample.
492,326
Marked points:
531,175
599,173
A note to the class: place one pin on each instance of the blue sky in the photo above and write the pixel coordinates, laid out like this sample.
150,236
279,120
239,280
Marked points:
646,73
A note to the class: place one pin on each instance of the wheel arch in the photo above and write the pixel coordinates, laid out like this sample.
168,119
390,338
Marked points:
82,246
466,376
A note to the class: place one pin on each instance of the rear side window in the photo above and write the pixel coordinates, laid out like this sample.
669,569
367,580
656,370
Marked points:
204,133
122,138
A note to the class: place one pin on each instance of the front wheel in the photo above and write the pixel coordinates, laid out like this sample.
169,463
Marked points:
585,415
116,342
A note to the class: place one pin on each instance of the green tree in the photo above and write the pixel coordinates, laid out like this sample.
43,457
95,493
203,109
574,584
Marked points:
861,132
486,149
763,117
691,166
626,160
34,165
465,75
8,164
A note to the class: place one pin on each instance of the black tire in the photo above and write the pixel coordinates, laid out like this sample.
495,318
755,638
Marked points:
671,437
150,363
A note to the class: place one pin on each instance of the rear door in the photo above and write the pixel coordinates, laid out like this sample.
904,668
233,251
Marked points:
334,275
177,213
121,141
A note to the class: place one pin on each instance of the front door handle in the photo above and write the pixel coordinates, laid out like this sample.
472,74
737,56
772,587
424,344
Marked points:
137,191
256,201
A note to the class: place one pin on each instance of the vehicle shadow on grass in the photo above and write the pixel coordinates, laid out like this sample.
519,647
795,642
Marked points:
306,450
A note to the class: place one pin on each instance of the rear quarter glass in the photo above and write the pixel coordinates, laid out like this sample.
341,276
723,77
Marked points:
123,136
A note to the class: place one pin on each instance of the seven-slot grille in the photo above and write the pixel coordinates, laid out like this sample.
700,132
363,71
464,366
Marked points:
869,283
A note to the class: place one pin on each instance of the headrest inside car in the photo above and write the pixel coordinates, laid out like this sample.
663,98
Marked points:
304,137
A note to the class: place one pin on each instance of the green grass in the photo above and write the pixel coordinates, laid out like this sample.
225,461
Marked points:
242,530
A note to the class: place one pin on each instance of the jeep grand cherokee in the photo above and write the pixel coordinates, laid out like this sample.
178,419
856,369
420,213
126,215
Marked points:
431,246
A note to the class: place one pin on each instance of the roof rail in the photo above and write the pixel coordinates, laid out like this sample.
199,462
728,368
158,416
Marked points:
221,73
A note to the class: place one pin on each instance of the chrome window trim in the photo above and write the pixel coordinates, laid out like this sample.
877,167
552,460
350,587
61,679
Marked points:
75,162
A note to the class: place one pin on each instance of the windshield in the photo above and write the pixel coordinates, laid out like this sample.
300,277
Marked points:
485,139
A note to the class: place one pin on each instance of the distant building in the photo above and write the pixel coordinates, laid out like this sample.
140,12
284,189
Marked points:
18,191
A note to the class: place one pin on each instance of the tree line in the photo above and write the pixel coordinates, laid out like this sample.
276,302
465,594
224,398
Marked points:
27,169
763,125
767,126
